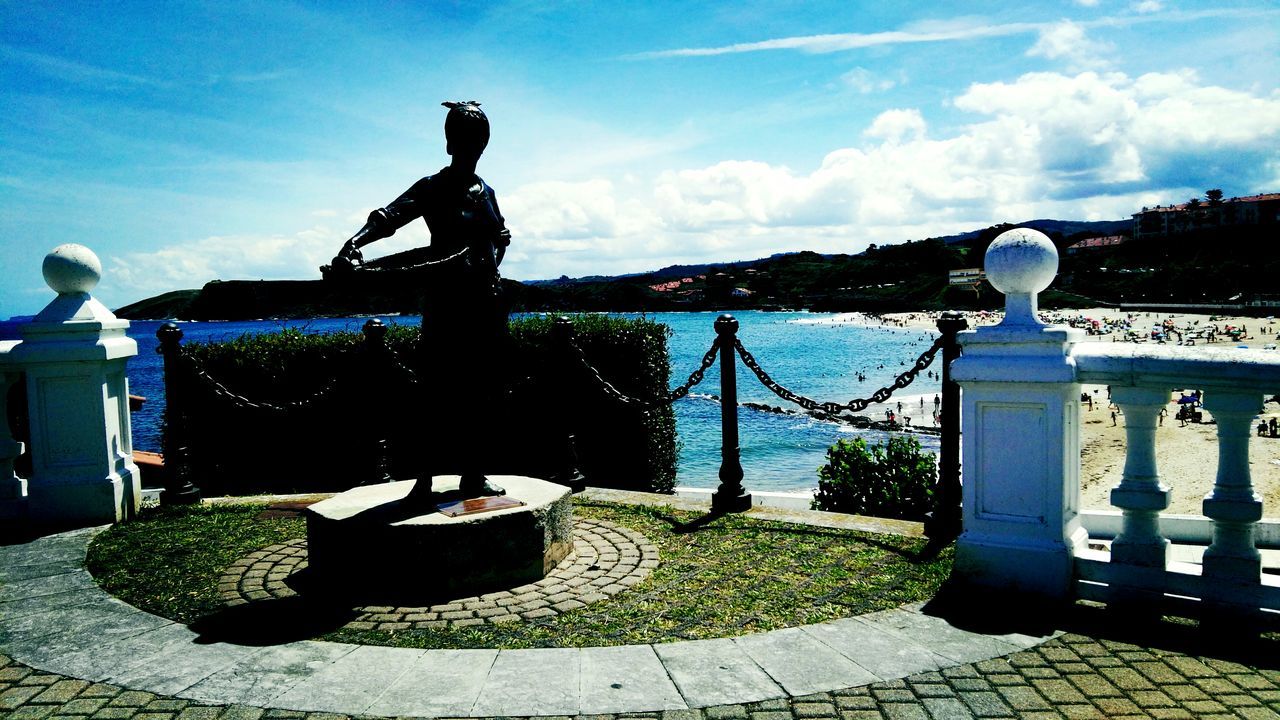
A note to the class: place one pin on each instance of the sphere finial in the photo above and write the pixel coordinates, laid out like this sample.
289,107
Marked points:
72,268
1020,263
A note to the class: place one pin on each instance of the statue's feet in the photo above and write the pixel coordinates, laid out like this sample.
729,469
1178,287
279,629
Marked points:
420,496
473,486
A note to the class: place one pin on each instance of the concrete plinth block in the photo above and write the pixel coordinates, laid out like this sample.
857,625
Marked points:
352,683
882,653
626,679
440,683
367,540
802,664
716,672
260,678
941,637
532,682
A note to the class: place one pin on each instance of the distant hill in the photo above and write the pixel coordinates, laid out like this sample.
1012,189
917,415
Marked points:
1050,227
1209,265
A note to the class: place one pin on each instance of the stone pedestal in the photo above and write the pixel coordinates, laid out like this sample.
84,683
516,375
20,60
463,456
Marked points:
1021,459
364,544
74,354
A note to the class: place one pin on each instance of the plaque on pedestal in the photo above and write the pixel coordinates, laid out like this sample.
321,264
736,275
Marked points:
472,506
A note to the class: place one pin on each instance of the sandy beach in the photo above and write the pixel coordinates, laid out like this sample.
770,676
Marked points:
1186,454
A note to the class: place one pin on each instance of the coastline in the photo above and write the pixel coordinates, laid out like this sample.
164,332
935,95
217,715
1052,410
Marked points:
1186,456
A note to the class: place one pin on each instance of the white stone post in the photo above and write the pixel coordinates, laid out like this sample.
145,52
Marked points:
13,489
74,354
1233,505
1140,493
1021,446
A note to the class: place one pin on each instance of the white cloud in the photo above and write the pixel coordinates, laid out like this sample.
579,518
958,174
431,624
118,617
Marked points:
1147,6
893,126
1067,41
867,82
1087,3
1093,145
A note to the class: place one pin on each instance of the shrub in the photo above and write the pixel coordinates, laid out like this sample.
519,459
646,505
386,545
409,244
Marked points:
892,481
330,444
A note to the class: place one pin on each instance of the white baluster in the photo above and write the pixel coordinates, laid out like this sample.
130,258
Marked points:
1140,494
1233,505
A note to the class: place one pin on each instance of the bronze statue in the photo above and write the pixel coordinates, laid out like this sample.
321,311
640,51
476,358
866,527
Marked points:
464,316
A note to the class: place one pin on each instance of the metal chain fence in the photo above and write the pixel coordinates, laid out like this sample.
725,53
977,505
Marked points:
856,405
694,378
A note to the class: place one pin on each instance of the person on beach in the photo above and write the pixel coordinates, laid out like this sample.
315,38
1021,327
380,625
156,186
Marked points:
464,316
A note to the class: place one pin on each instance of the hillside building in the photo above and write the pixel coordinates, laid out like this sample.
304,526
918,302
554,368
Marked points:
1163,221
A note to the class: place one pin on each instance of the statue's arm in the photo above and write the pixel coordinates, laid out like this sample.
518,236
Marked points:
503,239
384,222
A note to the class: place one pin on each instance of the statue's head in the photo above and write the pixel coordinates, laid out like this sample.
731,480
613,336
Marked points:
466,129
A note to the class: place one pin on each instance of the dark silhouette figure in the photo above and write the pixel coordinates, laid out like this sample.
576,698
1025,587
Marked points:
464,316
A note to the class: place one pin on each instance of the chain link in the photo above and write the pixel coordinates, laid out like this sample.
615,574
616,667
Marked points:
222,391
399,364
695,377
417,266
856,405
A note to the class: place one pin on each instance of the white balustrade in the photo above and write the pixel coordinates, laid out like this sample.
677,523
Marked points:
1022,524
1140,494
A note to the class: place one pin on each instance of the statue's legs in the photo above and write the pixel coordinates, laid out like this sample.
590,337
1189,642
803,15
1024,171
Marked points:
459,380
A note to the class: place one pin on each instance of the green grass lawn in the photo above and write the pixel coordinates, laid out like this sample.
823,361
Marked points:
730,576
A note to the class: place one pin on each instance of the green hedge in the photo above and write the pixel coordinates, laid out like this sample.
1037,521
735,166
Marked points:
329,445
894,480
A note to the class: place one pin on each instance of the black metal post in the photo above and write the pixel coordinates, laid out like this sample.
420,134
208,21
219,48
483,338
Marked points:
375,340
945,522
568,472
730,496
178,488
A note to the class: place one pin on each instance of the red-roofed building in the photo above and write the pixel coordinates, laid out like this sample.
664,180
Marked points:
1162,221
1097,243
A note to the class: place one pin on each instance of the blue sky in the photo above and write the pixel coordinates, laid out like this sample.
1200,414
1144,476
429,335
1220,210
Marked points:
186,141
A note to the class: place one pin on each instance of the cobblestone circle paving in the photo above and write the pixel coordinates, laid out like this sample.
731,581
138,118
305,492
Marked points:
1072,676
606,559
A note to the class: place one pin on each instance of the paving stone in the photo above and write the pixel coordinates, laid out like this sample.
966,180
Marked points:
615,679
880,652
200,712
1257,713
61,691
31,712
947,709
1190,667
14,697
813,709
903,711
885,695
926,690
1093,686
715,672
1059,691
1174,713
1023,698
1127,679
802,664
986,704
725,712
1114,706
1080,712
855,702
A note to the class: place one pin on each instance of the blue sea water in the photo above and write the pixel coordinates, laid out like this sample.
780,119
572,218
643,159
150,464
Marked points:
815,354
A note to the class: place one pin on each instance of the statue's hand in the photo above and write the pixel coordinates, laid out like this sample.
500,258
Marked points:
350,255
346,261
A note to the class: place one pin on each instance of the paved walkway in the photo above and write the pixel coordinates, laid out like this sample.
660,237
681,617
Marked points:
72,651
